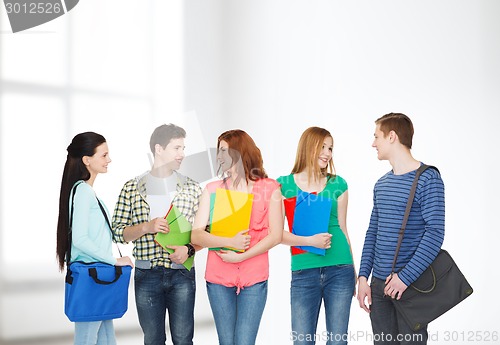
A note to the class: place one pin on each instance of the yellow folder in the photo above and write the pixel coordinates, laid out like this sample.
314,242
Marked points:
231,213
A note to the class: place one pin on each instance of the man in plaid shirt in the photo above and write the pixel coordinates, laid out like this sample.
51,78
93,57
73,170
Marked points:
162,283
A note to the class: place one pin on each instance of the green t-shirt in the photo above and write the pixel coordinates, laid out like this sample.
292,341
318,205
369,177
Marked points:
339,253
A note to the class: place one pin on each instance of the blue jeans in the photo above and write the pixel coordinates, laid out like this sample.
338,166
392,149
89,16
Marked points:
95,333
335,286
388,327
160,289
237,316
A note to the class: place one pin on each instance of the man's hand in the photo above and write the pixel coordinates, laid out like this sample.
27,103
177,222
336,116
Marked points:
364,292
158,225
394,287
180,254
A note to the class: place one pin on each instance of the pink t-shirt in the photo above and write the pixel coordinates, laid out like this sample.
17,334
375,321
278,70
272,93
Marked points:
253,270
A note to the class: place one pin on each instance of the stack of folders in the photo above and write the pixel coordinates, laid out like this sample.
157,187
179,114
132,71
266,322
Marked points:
179,235
230,213
308,214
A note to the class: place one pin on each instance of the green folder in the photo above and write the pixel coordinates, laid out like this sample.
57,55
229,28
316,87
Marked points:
179,235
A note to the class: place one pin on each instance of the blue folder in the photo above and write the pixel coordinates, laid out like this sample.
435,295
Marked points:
311,217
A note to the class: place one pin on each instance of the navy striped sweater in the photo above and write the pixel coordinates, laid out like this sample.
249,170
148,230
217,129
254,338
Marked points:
424,232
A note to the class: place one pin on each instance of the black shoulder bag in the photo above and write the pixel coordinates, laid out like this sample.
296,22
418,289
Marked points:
440,287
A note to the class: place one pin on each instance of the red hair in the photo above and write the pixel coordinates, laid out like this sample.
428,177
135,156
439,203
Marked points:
242,147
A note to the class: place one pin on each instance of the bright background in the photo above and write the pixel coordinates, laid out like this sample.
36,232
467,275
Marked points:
272,68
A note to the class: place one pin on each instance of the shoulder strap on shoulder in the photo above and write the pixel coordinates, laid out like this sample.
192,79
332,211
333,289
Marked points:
70,229
424,167
409,203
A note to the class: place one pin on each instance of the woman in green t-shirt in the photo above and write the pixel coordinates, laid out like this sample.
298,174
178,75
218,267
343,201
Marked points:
315,201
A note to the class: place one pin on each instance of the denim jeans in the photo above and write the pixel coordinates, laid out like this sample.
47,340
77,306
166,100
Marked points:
95,333
388,327
160,289
237,316
332,284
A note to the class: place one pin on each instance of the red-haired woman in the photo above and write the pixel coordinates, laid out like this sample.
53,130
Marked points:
237,281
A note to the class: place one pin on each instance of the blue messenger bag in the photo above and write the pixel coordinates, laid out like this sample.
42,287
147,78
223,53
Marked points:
95,291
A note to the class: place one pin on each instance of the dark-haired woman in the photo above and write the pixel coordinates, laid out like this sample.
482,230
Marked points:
237,282
88,156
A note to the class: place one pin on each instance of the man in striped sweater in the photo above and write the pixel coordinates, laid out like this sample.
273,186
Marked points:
422,239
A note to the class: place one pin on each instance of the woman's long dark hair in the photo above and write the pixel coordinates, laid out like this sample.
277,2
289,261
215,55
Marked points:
83,144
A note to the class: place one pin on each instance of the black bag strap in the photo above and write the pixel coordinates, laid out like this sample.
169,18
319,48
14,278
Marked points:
109,225
70,230
413,189
93,274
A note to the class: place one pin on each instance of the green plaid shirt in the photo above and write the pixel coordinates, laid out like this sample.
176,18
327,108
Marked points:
132,209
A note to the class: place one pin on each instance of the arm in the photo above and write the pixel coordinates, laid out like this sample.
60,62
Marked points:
433,213
364,293
123,229
364,290
193,190
198,192
368,253
131,233
202,238
273,237
342,216
84,236
323,240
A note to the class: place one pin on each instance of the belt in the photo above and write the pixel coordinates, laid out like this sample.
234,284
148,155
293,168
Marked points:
147,264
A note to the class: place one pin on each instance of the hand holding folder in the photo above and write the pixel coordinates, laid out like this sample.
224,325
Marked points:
231,213
179,234
310,214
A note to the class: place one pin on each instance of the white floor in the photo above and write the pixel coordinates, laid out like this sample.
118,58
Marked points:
203,335
39,316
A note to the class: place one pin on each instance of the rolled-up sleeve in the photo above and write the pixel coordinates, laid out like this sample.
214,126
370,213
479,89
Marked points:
122,215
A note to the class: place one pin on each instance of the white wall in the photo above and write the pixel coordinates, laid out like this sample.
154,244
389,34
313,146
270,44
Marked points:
287,65
114,67
272,68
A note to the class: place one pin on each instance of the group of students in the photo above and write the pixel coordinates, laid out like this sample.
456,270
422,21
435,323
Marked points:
237,279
